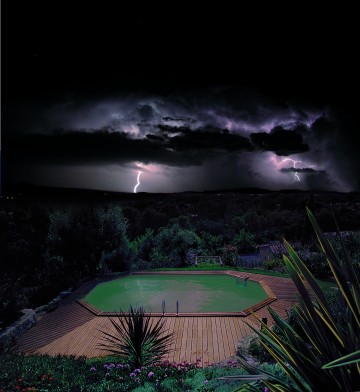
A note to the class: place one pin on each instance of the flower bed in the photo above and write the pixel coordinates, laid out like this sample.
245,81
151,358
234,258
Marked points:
45,373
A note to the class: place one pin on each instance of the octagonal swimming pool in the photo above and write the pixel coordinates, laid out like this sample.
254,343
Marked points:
190,293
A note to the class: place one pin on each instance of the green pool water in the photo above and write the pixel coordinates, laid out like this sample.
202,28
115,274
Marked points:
195,293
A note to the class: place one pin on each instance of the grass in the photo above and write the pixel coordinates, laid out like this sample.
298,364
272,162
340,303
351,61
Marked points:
214,267
325,284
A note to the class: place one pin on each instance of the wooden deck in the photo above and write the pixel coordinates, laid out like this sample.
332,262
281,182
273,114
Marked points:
74,330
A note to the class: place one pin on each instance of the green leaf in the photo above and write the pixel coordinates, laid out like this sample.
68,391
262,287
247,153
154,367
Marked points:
345,360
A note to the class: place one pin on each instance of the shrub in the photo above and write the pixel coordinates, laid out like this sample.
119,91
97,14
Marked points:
139,339
257,350
274,264
315,262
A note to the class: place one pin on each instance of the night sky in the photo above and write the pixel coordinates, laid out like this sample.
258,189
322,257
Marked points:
215,98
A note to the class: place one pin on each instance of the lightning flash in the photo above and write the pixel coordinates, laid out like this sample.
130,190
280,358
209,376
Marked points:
138,181
296,175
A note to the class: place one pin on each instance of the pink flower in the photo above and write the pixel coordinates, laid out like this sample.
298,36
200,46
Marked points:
150,374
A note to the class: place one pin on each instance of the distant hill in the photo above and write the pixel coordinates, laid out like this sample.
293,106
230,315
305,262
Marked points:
27,191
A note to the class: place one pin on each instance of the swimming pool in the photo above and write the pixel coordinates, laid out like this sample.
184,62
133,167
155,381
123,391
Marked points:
176,293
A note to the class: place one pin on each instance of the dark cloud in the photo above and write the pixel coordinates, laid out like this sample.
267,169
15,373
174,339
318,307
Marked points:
155,138
207,138
334,140
146,112
172,129
280,141
301,170
181,118
99,147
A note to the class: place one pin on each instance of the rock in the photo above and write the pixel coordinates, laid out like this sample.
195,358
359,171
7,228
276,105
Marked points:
17,328
64,294
53,304
245,342
41,310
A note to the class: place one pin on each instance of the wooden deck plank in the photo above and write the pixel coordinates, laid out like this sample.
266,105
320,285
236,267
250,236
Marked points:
180,332
202,341
234,340
215,338
184,340
170,326
210,341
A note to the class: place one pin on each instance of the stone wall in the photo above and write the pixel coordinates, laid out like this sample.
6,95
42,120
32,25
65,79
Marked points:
16,329
28,319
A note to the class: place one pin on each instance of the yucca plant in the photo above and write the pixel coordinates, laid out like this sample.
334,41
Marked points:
326,355
139,339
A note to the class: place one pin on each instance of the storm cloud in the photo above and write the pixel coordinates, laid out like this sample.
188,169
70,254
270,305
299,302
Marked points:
280,140
240,136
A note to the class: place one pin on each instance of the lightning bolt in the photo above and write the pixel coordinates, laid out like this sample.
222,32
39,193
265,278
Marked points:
138,181
296,175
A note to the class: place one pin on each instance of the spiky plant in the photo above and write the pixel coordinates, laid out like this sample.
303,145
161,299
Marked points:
325,355
139,338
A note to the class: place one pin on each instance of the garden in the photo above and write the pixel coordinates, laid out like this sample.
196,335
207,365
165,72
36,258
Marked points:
316,348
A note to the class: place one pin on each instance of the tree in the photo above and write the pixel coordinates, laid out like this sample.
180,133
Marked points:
83,237
211,245
116,251
141,248
245,241
172,246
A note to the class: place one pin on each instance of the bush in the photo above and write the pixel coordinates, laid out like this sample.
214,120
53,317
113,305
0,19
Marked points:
316,262
257,351
274,264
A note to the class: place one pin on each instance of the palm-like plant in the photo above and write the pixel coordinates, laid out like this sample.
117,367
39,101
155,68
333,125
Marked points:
139,339
326,355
